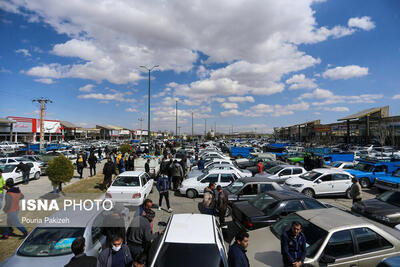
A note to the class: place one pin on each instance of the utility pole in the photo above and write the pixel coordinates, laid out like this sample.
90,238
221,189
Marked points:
148,109
176,118
141,129
215,128
179,130
205,128
192,125
43,102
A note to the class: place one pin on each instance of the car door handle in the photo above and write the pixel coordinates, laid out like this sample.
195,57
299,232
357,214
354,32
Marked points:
99,250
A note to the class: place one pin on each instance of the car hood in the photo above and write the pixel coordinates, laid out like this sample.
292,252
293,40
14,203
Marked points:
190,181
357,172
375,206
390,178
20,261
194,173
295,180
247,209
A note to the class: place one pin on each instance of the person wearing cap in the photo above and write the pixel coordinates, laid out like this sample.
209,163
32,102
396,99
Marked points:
13,196
139,234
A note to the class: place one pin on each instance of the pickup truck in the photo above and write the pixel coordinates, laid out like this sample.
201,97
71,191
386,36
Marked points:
388,181
367,171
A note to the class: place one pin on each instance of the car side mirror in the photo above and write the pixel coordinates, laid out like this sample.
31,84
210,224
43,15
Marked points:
318,181
326,259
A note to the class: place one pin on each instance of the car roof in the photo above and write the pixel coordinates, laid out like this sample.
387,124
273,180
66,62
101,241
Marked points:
131,173
256,179
221,171
329,171
191,228
286,195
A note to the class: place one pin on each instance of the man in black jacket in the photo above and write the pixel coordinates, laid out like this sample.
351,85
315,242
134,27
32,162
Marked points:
147,167
117,255
108,171
25,169
92,160
80,259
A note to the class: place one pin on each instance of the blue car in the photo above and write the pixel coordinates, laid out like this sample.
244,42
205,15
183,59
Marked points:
390,262
388,181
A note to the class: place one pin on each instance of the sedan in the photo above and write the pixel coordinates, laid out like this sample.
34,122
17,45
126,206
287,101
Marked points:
10,172
281,173
267,208
130,188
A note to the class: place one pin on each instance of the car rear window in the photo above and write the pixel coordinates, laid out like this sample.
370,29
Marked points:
126,181
183,254
48,242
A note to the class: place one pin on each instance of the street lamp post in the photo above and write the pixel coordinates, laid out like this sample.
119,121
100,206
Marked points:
148,109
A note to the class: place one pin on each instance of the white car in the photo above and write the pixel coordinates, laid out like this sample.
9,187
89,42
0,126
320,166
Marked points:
341,165
214,155
281,173
321,182
193,187
130,188
10,172
214,161
13,160
193,240
223,166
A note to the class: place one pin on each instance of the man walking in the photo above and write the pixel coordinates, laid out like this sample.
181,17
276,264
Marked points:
11,207
80,258
2,187
222,206
25,169
237,251
355,190
177,173
163,189
80,164
209,199
117,255
147,167
92,160
293,246
108,171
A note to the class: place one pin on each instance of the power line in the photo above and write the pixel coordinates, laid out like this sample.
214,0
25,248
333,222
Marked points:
42,101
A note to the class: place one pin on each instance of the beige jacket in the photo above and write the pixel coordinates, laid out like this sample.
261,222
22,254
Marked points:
208,199
356,191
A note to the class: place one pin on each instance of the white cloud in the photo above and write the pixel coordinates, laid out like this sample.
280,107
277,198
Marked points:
131,110
228,105
326,97
299,81
365,23
4,70
232,112
202,72
395,97
25,52
241,99
336,109
345,72
261,110
45,80
219,99
86,88
120,97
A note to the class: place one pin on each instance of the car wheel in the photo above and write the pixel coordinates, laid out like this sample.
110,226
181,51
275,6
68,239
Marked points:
308,192
228,212
191,193
37,176
364,182
348,193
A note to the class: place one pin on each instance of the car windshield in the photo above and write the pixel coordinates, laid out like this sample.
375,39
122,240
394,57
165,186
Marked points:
390,197
335,164
310,176
315,236
364,167
127,181
264,202
179,254
48,242
274,170
8,168
235,186
397,173
202,176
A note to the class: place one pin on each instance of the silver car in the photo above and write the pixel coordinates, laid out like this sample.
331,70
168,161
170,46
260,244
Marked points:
334,238
49,244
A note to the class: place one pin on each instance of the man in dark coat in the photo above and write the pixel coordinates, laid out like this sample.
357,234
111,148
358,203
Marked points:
117,255
147,167
222,205
25,169
114,224
80,164
293,246
80,259
92,163
108,171
237,251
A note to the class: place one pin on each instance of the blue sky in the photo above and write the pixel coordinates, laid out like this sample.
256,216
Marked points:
246,64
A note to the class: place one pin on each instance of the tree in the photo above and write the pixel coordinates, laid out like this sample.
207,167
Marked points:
60,170
125,148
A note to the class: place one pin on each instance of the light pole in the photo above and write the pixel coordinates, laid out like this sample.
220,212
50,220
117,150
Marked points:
176,119
148,110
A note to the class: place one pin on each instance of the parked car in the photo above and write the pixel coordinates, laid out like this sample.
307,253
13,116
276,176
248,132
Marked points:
281,173
193,187
341,165
269,207
212,161
267,164
192,240
385,208
10,172
322,182
50,244
130,188
248,188
334,238
389,262
9,160
388,181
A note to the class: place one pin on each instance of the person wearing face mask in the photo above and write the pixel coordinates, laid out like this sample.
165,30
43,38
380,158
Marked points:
117,255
